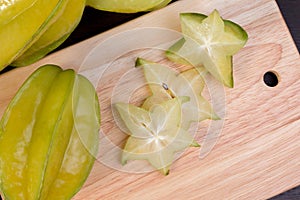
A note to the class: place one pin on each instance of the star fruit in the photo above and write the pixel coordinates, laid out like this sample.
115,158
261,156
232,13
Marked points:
155,134
17,35
209,41
127,6
55,35
166,84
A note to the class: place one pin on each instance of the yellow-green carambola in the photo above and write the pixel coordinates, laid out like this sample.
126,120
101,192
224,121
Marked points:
49,136
55,35
25,28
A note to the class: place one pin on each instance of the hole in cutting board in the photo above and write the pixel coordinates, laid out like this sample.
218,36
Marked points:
271,78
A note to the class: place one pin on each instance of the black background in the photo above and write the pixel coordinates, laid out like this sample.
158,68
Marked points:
94,22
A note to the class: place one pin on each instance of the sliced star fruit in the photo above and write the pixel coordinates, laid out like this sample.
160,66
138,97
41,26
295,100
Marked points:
127,6
155,134
166,84
209,41
55,35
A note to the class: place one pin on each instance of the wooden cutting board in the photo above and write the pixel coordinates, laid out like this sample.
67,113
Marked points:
252,153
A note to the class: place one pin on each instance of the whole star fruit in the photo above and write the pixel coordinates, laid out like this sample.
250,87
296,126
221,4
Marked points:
49,136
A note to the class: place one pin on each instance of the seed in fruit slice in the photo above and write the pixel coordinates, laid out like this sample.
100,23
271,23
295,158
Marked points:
155,134
166,84
209,41
55,35
127,6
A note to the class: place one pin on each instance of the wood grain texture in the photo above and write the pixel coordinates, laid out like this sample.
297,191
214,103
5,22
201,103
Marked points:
256,154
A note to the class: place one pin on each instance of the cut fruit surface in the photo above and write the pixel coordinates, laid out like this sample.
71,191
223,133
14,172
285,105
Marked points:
213,32
181,53
55,35
155,135
166,84
127,6
21,32
209,41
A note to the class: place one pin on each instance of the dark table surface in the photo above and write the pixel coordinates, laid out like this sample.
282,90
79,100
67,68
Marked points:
94,22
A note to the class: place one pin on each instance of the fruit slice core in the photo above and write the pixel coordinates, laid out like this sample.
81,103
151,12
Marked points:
166,84
209,41
155,135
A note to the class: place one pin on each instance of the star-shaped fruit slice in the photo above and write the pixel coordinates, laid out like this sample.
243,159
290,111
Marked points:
165,84
155,134
209,41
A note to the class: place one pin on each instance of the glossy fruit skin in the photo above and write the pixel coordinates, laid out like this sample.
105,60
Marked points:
49,136
55,35
127,6
11,9
26,38
23,30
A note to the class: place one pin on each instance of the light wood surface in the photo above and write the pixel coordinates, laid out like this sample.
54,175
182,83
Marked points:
252,153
